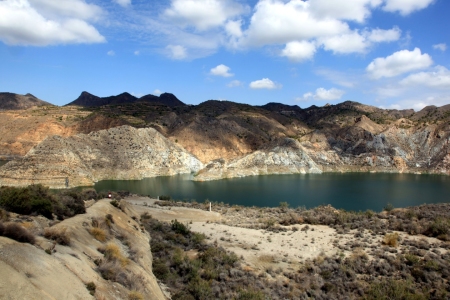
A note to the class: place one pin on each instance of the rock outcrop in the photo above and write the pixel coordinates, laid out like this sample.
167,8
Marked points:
284,156
118,153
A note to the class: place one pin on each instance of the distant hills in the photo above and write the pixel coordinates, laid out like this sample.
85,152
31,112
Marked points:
88,100
10,101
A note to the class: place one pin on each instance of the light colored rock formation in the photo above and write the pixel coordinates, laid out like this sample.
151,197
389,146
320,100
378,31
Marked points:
118,153
28,272
285,156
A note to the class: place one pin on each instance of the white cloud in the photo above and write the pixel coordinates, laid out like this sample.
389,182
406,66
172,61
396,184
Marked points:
280,22
438,78
235,83
398,63
356,10
137,52
264,83
22,24
177,52
203,14
68,8
221,70
355,42
441,47
405,7
123,3
299,51
381,35
323,94
111,53
345,43
157,92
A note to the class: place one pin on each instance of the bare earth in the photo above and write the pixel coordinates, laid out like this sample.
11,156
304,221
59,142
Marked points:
262,249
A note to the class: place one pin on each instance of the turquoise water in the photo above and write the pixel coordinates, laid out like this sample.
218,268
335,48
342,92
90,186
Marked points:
350,191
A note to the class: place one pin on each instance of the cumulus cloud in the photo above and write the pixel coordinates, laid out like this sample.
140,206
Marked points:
323,94
221,70
69,8
441,47
203,14
177,52
398,63
23,24
123,3
299,51
356,10
406,7
264,83
438,78
111,53
235,83
280,22
157,92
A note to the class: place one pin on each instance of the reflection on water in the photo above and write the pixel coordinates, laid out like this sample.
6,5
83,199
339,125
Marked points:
350,191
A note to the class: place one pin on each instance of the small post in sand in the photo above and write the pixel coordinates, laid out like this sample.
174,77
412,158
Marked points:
209,206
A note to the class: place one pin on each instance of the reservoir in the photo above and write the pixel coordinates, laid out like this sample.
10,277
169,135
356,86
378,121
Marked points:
349,191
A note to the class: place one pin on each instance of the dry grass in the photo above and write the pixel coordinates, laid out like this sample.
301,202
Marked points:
391,239
135,295
98,233
266,258
59,235
113,253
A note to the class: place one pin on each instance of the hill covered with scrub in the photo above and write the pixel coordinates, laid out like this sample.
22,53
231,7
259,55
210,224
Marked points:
228,139
135,248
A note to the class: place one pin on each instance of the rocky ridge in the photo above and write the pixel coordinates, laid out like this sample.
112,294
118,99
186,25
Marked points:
57,270
117,153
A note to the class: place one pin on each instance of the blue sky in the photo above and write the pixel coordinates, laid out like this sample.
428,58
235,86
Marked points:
386,53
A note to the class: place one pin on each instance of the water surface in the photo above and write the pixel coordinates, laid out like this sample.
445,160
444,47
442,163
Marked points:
350,191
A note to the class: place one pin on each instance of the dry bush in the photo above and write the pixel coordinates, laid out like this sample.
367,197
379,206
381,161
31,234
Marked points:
109,269
98,233
16,232
266,258
113,253
59,235
391,239
135,295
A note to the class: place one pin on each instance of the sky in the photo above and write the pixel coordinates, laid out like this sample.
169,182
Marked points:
386,53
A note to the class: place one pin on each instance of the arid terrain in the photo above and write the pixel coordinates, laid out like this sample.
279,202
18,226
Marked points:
229,139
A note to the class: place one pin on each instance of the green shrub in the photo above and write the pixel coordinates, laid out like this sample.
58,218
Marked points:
91,287
393,289
34,199
440,226
115,203
164,197
179,227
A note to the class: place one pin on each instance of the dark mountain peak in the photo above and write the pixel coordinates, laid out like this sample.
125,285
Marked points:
30,95
164,99
11,101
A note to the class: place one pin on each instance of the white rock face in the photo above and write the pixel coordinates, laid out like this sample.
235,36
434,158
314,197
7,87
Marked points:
285,156
118,153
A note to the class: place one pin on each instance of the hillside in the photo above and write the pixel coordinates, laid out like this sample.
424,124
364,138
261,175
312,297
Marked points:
10,101
67,260
117,153
234,139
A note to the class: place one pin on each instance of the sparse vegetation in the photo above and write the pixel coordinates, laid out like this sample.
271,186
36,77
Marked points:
58,234
16,232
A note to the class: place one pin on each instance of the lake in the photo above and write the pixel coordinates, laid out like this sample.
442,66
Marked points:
350,191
